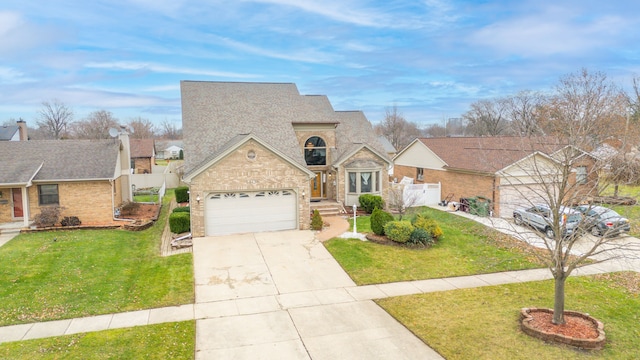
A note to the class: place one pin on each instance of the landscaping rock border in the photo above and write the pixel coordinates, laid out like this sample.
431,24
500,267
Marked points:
590,344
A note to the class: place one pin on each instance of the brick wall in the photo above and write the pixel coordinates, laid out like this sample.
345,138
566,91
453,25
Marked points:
236,172
6,210
90,201
141,165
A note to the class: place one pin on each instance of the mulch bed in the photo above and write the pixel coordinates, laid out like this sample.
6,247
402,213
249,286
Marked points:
574,326
383,240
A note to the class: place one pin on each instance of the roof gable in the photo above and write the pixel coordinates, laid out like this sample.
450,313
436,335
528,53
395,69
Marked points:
417,154
59,160
234,144
9,132
215,113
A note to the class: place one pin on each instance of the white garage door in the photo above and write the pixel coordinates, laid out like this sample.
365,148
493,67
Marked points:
242,212
519,196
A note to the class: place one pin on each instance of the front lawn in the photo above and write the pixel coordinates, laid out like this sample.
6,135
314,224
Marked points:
161,341
466,248
482,323
67,274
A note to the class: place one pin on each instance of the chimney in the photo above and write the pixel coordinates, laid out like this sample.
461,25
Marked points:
23,130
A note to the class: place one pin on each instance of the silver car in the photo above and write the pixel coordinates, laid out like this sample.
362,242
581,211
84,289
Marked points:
540,218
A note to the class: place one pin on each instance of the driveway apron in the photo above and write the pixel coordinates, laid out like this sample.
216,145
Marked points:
281,295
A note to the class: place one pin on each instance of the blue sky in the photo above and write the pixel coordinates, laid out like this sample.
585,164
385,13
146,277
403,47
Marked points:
430,58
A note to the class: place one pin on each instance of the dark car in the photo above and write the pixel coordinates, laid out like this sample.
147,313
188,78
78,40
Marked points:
602,221
539,217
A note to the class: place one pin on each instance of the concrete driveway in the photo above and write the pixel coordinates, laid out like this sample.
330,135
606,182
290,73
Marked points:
281,295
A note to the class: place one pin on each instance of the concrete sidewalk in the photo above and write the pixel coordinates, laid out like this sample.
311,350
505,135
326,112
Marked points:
242,306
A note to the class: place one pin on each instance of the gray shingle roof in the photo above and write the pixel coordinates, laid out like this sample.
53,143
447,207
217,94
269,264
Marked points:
214,113
7,132
60,160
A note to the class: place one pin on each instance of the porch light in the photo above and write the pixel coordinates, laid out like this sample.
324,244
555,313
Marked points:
303,193
198,198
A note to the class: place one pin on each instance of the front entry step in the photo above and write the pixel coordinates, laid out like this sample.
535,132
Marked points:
328,208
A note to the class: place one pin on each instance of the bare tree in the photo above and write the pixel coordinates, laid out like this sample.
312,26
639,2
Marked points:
142,128
53,119
170,131
487,117
95,126
522,110
560,173
397,129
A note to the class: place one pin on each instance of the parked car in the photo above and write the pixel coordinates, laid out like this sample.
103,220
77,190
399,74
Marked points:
539,217
602,221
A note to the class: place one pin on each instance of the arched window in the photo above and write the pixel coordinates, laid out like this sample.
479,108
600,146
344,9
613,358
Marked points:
315,151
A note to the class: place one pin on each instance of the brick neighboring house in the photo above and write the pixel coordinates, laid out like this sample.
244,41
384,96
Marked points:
497,168
142,155
85,178
256,154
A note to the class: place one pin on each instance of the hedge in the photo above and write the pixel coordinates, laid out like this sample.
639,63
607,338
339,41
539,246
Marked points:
369,202
179,222
182,194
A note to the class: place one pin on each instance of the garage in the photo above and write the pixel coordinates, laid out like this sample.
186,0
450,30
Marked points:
242,212
518,196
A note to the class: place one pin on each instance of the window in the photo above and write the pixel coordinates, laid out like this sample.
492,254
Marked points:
352,182
315,151
48,194
364,182
581,175
419,173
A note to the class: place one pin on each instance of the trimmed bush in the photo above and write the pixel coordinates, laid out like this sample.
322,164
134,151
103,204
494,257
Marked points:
179,222
70,221
430,225
379,218
181,209
47,217
182,194
399,231
369,202
316,220
421,236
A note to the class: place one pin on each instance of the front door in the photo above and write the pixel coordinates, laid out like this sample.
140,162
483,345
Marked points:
17,202
316,185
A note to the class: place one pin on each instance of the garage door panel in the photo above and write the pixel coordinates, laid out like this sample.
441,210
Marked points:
238,212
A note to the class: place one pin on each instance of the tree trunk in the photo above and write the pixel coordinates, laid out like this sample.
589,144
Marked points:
558,300
615,191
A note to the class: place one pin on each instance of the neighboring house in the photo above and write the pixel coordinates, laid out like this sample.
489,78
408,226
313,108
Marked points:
492,167
142,156
388,146
256,154
16,132
168,149
85,178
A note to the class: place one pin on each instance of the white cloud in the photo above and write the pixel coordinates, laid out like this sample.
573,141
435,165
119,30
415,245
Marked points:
549,33
12,76
142,66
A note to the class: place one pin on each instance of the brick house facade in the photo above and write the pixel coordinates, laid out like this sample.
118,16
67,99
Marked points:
491,167
257,154
87,179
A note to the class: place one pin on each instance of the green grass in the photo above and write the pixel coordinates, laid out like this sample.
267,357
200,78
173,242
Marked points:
363,225
145,198
623,190
162,341
482,323
67,274
466,248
